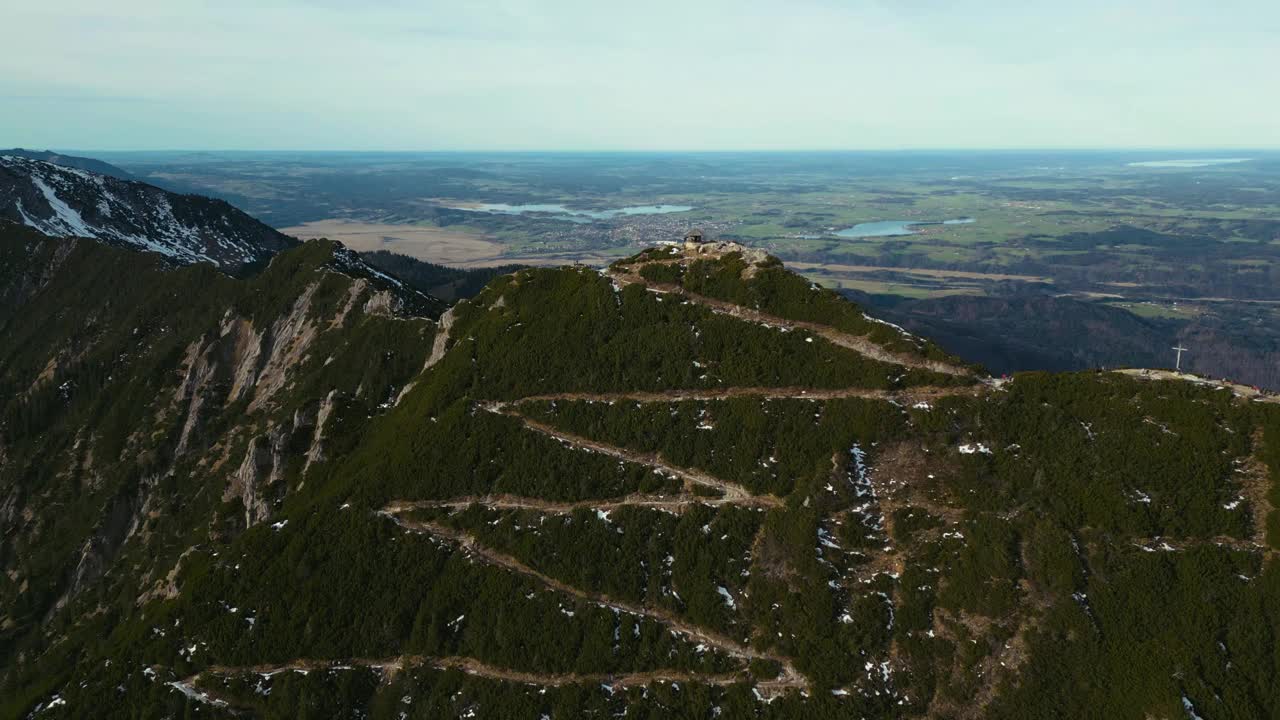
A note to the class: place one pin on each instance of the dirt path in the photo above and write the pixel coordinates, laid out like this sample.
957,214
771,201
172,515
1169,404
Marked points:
788,678
1241,391
390,666
670,503
1168,544
733,492
902,397
857,343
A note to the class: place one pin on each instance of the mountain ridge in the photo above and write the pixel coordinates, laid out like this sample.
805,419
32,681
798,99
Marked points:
94,165
67,202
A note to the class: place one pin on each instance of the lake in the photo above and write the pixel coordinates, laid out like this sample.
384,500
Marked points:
565,213
889,228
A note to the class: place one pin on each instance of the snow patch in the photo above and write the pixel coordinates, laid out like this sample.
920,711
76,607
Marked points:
69,220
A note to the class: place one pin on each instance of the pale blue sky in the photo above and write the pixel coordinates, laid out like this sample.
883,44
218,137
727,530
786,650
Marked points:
658,74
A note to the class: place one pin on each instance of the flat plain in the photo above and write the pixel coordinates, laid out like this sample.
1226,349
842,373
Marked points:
424,242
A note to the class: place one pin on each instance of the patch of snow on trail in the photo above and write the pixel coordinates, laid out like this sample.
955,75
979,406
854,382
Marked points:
195,694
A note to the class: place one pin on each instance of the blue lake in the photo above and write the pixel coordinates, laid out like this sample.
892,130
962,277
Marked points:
889,228
565,213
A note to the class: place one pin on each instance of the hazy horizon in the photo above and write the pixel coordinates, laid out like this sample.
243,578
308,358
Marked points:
1176,150
666,76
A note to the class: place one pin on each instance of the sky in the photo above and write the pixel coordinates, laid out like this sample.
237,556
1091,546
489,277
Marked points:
652,75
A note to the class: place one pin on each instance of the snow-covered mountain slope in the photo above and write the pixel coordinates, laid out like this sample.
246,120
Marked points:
71,161
70,202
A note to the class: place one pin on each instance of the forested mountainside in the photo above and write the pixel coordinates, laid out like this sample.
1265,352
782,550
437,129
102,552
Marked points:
441,281
67,201
692,485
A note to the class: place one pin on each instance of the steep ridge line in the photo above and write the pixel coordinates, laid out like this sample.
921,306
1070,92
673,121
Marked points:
857,343
389,667
732,491
788,678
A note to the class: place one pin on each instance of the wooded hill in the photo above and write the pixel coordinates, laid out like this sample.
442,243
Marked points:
693,485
